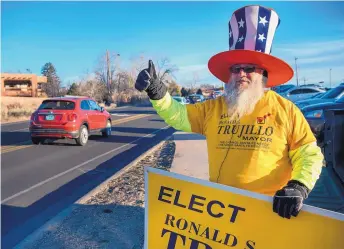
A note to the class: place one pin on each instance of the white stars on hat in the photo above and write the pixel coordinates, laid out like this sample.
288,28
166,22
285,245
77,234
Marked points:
261,37
263,20
241,23
252,28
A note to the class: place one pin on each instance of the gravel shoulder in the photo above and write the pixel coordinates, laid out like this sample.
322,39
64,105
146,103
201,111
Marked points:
110,217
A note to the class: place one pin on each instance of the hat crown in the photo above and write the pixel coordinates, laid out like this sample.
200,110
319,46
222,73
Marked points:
253,28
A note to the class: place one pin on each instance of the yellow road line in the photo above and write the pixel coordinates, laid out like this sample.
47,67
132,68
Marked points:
15,148
9,147
28,143
124,120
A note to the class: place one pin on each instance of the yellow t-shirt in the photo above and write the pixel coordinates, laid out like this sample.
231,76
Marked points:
251,153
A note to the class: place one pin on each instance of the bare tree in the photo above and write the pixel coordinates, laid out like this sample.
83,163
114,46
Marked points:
194,82
138,63
94,89
165,68
108,66
207,86
123,81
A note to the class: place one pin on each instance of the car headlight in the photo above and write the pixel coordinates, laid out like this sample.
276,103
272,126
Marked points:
314,114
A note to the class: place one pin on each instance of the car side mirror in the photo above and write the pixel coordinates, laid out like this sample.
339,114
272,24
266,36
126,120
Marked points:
102,109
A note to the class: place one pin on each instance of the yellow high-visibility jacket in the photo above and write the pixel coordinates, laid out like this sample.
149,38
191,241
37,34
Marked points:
260,152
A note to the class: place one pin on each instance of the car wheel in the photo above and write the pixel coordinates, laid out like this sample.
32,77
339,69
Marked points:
83,136
107,131
36,140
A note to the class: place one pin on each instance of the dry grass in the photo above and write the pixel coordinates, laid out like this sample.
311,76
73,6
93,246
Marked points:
18,108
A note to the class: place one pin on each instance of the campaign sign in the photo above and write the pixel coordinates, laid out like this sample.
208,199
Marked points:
185,212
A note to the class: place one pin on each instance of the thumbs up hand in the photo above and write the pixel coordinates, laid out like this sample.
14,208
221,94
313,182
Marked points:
146,77
147,80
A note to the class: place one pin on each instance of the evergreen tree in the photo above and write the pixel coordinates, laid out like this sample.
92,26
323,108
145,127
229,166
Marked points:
184,92
73,90
199,91
52,88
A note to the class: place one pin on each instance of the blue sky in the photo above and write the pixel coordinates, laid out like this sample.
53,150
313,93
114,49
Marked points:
73,35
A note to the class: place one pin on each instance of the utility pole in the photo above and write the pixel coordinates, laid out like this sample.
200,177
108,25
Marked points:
297,77
108,70
330,77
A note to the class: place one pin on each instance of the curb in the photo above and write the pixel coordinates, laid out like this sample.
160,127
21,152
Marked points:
57,220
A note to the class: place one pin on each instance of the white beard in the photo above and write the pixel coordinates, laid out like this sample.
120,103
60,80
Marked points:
242,102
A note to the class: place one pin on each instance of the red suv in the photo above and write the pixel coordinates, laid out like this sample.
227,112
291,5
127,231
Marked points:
69,117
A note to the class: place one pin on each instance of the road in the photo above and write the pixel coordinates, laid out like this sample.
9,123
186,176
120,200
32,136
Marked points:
39,181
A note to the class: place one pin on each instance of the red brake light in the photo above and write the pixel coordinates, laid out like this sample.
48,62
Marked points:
33,117
72,117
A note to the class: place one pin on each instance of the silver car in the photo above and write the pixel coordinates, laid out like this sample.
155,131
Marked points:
302,92
330,96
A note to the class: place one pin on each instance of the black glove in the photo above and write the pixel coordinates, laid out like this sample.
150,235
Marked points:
288,200
148,81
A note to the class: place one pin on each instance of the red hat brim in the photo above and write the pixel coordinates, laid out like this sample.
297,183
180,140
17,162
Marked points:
279,72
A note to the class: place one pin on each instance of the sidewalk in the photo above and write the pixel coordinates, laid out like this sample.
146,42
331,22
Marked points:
191,159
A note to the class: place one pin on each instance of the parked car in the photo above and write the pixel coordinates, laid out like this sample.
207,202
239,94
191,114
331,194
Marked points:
69,117
217,94
318,95
282,88
301,92
181,100
314,114
195,98
329,96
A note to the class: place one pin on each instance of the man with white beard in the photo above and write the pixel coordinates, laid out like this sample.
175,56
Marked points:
243,92
256,139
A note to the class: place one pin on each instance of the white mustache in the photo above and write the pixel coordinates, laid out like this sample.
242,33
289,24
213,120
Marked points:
243,79
239,102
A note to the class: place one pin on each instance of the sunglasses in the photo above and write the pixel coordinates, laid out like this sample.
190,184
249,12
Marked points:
247,69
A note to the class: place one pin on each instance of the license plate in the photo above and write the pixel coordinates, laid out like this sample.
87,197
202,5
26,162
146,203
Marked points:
49,117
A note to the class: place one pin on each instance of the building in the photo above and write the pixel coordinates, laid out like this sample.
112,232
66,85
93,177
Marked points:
22,85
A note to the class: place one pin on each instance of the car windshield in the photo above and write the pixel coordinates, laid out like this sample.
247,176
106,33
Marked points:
283,89
57,105
178,99
333,93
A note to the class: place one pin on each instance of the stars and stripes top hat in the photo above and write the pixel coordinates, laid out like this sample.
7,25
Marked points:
251,32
